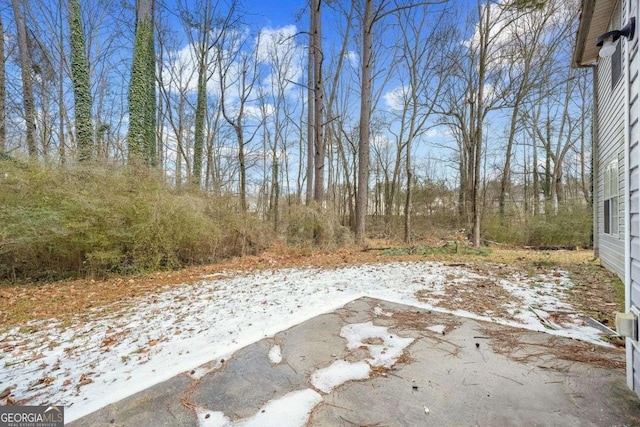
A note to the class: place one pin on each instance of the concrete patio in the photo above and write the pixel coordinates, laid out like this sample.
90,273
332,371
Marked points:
455,372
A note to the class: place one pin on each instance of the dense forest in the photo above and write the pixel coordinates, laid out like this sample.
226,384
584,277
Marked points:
146,134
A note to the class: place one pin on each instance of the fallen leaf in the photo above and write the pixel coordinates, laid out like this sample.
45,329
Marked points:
108,341
6,392
84,380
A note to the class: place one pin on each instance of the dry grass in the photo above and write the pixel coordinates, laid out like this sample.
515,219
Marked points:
420,321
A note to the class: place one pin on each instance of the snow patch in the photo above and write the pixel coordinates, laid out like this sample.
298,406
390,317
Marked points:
275,354
338,373
437,328
207,368
291,410
212,418
378,311
368,335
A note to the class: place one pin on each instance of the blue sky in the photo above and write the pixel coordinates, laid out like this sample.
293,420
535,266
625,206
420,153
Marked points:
274,13
114,22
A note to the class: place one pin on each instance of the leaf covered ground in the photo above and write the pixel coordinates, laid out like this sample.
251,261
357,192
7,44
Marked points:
598,292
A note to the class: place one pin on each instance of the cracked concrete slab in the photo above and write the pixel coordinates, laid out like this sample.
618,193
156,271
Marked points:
456,372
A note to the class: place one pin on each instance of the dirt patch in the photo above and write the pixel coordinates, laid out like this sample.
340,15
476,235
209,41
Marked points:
420,321
481,296
598,293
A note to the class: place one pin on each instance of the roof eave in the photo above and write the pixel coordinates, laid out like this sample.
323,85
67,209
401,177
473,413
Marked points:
594,21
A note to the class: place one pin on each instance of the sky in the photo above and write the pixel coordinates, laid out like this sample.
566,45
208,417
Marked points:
260,16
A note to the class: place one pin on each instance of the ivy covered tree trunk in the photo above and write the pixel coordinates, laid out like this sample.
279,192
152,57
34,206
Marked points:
201,102
142,91
80,76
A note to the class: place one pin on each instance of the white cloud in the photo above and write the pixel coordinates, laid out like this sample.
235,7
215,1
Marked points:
180,72
353,58
510,28
256,111
279,51
395,98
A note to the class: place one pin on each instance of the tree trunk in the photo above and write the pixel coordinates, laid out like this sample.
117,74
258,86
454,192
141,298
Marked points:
275,188
318,105
407,201
142,100
536,179
81,88
27,82
479,119
62,151
3,95
243,169
310,106
365,118
201,101
198,138
505,182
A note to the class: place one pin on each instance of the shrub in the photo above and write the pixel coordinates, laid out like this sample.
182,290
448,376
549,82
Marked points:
570,226
94,220
306,224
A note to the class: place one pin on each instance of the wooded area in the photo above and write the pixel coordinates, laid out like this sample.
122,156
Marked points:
386,118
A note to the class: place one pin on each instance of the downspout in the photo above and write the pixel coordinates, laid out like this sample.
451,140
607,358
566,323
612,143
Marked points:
595,163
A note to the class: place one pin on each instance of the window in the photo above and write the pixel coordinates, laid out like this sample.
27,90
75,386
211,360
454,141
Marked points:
611,211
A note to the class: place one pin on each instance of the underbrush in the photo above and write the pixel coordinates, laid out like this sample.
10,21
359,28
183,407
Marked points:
447,249
310,224
94,220
570,226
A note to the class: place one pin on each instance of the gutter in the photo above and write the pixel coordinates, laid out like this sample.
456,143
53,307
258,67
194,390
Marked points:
595,160
581,37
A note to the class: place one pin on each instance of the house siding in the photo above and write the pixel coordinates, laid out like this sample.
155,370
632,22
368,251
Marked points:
634,181
610,139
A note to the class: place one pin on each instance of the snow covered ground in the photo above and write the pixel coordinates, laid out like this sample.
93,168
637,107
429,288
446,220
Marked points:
88,365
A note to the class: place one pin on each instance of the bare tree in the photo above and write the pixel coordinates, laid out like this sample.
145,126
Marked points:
479,85
531,52
204,29
373,13
424,85
27,80
3,94
318,101
238,70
